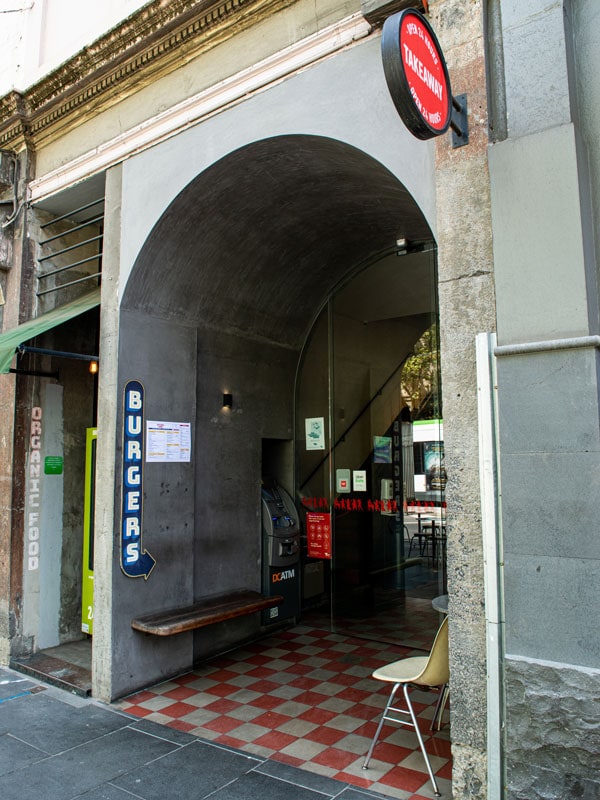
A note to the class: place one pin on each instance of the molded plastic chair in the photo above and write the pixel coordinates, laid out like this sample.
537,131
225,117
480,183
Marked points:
419,539
413,540
431,670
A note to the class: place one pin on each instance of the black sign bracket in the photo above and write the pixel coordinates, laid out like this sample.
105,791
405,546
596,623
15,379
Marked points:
459,122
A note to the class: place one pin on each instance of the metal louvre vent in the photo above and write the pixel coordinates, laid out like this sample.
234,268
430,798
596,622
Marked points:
71,253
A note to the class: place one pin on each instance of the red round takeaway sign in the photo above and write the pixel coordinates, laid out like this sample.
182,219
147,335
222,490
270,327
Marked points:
416,74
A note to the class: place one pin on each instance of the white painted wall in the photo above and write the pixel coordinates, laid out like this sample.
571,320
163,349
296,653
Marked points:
51,529
43,523
36,36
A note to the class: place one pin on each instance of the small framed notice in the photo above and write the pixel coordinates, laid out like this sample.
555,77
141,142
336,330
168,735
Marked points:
359,480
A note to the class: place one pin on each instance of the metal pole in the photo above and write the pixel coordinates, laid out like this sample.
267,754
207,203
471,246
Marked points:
493,559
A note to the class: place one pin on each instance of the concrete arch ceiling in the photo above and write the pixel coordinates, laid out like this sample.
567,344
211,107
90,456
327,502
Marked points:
256,242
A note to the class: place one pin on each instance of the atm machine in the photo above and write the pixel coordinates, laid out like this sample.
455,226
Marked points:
280,552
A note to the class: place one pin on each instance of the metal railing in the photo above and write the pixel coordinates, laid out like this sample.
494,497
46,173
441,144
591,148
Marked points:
95,220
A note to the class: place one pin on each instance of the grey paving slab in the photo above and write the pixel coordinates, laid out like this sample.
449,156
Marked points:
85,767
12,685
33,782
15,754
257,786
163,731
301,777
106,792
193,771
53,726
56,746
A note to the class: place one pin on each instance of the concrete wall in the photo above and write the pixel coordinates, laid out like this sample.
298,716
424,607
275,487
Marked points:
162,357
546,279
201,519
541,286
227,546
584,39
550,482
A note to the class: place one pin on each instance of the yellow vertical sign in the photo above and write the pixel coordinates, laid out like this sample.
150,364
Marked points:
87,588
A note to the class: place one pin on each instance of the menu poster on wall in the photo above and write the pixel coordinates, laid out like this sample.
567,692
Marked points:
315,433
168,441
318,534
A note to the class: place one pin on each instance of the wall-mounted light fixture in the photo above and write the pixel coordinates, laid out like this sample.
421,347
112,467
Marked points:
94,367
227,400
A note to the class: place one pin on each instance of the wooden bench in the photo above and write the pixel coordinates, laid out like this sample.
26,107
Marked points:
208,611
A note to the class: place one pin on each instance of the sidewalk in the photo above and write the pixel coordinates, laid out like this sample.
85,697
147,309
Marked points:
58,746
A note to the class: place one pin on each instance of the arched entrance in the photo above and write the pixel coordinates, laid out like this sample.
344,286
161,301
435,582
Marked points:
255,242
220,301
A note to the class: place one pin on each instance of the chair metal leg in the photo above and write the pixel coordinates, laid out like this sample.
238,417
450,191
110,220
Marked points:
380,726
415,724
439,708
409,711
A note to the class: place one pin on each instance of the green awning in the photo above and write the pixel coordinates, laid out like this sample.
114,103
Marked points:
10,340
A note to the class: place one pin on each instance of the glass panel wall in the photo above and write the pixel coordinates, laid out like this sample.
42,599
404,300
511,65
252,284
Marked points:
370,474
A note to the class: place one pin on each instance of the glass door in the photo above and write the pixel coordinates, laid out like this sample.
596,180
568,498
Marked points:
368,390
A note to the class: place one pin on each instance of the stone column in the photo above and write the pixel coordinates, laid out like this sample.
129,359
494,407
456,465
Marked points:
105,462
16,282
467,307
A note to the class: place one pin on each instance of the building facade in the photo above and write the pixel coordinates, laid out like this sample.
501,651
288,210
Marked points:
186,194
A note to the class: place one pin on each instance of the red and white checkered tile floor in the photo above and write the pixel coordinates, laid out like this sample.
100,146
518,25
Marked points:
306,697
